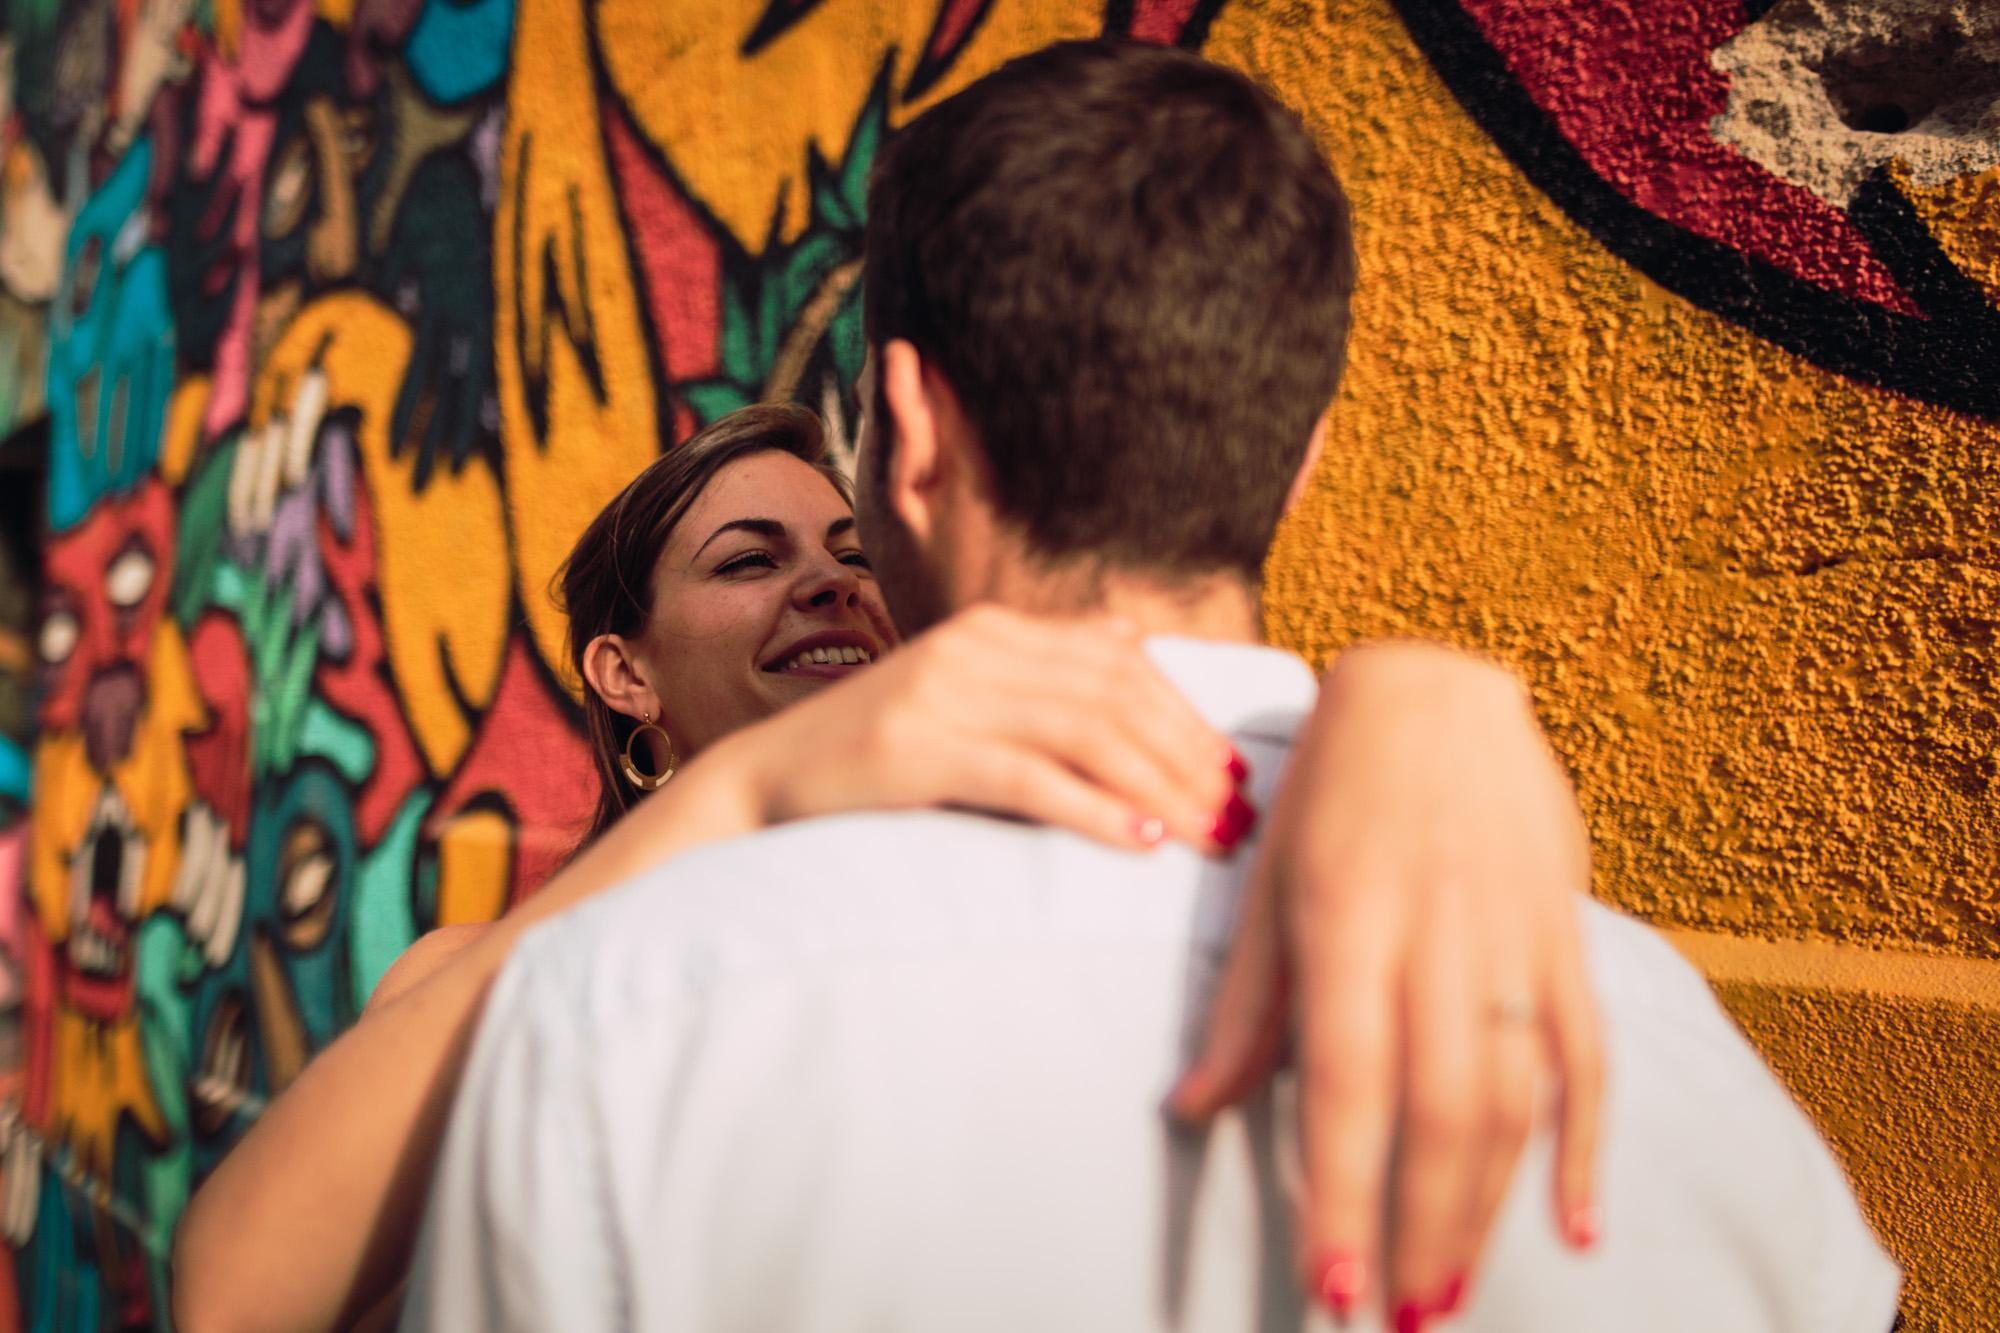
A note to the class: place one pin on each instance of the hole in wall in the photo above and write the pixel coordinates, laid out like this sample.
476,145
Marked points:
1823,93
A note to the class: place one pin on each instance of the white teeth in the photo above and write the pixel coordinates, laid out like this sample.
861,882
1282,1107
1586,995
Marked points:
842,656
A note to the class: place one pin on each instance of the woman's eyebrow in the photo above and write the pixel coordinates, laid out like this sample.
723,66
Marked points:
763,527
839,526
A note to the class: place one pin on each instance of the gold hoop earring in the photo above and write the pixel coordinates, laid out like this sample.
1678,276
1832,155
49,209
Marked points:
648,781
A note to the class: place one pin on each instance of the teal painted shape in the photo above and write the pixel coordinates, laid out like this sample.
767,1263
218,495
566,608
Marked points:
166,1035
14,770
340,741
383,922
111,348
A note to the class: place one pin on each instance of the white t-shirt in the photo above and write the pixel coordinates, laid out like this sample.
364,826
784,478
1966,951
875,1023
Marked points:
904,1072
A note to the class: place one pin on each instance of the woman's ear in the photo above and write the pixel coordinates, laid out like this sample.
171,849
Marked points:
612,670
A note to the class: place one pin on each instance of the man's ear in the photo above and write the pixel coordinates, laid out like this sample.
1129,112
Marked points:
917,465
1315,446
614,674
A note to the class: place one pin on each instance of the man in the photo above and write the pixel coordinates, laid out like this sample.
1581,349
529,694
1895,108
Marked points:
906,1071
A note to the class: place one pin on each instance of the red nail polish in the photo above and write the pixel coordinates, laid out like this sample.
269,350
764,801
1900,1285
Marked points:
1236,820
1338,1281
1410,1317
1238,770
1148,829
1584,1225
1454,1296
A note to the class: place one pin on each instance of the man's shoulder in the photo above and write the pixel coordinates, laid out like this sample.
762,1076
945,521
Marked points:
833,894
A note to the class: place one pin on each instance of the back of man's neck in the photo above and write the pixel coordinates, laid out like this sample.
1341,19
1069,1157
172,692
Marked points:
1215,607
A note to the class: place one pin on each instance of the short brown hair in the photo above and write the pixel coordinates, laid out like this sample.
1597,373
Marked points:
1133,266
606,585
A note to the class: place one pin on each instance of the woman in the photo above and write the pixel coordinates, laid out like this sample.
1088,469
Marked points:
722,614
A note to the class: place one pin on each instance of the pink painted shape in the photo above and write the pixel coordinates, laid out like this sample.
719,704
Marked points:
1629,85
1161,20
529,752
221,110
953,23
680,267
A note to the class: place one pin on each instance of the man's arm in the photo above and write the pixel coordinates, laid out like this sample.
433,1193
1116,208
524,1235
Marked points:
518,1232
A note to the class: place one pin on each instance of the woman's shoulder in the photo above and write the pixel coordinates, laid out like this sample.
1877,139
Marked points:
425,957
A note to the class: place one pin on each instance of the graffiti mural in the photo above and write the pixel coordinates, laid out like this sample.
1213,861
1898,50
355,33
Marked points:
342,317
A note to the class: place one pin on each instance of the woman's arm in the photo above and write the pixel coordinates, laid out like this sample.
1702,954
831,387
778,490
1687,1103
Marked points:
1413,916
309,1222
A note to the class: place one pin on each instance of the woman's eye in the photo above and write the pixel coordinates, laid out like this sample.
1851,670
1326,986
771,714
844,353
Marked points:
856,558
748,560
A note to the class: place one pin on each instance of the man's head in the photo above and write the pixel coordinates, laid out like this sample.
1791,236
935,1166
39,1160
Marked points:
1106,301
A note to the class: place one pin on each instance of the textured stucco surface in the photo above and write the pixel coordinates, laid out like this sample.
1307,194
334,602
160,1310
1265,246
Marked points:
1905,1091
1756,600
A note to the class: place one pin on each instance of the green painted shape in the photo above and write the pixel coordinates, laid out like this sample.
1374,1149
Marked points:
341,741
383,921
202,520
166,1018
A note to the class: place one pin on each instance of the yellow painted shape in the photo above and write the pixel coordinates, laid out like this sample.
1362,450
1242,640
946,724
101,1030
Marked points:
181,435
1755,600
153,780
1963,214
556,203
736,129
65,788
97,1076
475,865
441,552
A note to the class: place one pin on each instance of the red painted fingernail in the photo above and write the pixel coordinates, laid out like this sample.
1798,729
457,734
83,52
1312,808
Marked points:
1338,1281
1148,829
1236,820
1454,1296
1583,1226
1238,770
1410,1317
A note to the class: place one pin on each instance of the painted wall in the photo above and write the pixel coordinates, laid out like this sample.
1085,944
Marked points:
344,317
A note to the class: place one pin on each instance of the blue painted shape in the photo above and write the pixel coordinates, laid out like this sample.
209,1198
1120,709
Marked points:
459,47
111,348
14,770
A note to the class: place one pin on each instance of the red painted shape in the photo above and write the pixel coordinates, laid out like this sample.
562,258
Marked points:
529,752
38,1018
680,266
78,561
219,758
1161,20
1629,84
954,21
359,687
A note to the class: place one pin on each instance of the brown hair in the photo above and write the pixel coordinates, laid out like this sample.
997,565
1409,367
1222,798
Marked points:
1133,266
606,585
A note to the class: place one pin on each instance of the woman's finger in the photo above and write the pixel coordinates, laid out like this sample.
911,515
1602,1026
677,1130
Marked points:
1111,674
1444,1110
1577,1052
1346,967
1514,1062
1248,1017
1029,783
1092,734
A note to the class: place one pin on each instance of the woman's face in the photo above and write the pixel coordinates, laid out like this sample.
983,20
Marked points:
762,596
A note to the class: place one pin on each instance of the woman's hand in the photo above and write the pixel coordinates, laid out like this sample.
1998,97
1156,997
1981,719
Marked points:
1414,912
1060,722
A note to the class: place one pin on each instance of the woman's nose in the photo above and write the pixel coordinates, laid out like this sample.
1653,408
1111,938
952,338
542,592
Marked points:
828,582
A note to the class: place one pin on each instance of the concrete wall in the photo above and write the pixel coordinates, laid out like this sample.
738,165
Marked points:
1673,385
